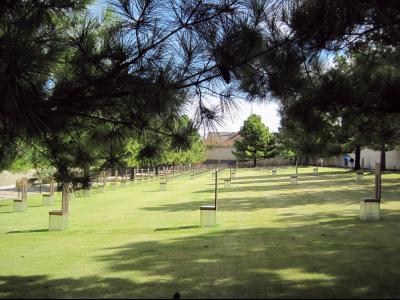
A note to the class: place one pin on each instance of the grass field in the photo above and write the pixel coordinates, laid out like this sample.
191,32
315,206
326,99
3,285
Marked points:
273,239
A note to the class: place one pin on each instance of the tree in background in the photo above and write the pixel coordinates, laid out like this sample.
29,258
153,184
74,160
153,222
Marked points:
372,76
354,92
256,141
306,142
341,108
156,150
356,96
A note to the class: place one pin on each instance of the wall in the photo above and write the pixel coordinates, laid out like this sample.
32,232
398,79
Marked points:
370,158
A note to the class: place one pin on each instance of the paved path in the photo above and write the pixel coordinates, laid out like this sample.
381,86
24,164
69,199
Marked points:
8,192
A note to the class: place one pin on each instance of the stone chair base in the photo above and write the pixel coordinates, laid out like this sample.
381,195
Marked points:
273,173
208,216
370,209
58,221
47,200
293,179
19,206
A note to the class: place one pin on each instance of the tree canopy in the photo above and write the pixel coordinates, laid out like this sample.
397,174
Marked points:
68,79
256,141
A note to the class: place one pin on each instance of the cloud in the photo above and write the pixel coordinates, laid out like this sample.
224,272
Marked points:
234,119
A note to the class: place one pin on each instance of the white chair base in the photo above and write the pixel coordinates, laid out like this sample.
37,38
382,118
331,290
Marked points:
19,206
227,183
47,200
293,179
58,221
208,216
370,210
163,186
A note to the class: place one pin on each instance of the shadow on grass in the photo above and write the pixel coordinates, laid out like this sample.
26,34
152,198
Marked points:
237,198
28,231
304,186
31,287
301,178
344,258
176,228
332,259
258,177
291,198
303,256
305,193
301,173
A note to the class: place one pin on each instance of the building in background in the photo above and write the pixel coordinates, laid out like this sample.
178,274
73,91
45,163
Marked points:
220,146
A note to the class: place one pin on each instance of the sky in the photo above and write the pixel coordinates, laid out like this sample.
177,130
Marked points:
234,120
268,112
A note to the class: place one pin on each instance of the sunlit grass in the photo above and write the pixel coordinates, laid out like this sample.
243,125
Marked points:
273,239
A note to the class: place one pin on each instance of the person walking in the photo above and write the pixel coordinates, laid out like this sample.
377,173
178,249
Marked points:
346,161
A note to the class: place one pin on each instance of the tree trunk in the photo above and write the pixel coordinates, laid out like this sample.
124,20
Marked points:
357,159
86,177
383,157
65,198
255,162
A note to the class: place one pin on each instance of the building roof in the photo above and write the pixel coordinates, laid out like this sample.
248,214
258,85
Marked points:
224,139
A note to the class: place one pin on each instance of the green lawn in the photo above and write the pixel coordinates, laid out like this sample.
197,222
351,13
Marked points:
272,240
